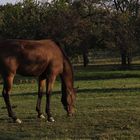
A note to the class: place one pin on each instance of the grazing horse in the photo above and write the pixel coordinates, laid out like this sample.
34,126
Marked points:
42,58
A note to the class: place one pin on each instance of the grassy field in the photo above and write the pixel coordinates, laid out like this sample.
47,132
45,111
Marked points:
107,108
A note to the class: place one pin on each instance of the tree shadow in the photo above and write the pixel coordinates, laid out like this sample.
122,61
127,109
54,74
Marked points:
102,72
108,67
107,90
107,77
32,94
82,91
6,136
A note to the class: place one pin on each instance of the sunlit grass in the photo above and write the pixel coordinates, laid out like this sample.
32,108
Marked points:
107,107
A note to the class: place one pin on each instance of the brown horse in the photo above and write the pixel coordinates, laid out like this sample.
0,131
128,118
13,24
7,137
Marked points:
42,58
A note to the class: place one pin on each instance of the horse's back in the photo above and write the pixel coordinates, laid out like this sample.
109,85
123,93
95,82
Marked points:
29,57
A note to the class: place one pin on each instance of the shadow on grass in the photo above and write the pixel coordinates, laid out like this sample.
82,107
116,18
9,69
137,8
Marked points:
106,77
32,93
85,90
108,67
103,72
108,90
5,136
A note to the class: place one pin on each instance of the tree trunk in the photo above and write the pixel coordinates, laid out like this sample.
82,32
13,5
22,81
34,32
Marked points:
129,59
123,58
85,59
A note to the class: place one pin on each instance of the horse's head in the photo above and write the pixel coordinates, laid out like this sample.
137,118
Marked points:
68,101
71,97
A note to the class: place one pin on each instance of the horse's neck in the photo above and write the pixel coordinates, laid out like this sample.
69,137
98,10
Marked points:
67,74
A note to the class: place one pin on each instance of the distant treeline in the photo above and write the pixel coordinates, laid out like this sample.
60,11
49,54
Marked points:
79,26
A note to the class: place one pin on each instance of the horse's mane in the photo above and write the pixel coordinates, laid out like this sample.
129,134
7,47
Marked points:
63,52
66,59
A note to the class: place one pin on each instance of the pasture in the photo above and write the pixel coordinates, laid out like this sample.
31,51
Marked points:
107,107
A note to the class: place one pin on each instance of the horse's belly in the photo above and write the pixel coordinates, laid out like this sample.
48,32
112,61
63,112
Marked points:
31,70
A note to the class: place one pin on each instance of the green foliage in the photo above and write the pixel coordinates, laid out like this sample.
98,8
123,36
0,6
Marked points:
21,20
79,26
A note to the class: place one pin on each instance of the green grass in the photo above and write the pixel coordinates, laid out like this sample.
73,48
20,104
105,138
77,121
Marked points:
107,107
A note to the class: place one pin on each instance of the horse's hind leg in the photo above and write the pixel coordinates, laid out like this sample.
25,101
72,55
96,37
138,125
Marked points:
50,83
8,81
41,84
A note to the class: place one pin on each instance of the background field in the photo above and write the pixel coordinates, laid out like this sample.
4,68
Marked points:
107,107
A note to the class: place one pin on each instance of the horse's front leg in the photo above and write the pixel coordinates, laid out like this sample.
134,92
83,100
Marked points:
49,86
8,81
41,84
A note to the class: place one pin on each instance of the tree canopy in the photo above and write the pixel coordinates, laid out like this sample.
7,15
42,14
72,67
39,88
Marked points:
79,26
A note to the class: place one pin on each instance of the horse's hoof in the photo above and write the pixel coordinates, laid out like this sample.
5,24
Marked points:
18,121
51,119
41,116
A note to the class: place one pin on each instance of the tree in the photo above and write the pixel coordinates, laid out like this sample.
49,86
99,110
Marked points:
88,27
62,22
118,26
21,20
123,18
78,26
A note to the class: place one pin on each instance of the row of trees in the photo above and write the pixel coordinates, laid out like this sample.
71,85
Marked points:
79,26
